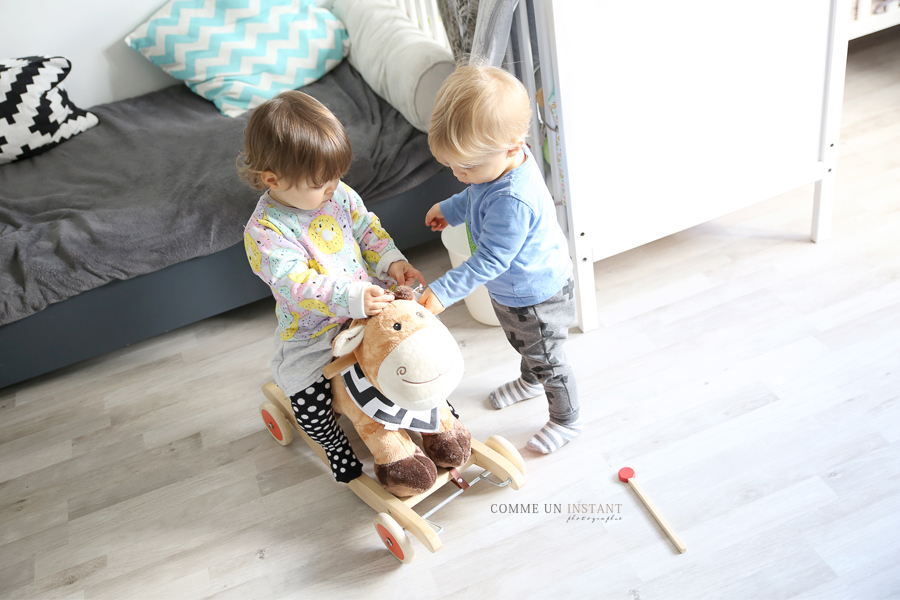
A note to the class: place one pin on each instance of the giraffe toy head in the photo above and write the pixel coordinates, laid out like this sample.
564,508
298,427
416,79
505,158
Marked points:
406,352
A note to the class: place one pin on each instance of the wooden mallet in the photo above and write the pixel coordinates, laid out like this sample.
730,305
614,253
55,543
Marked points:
626,474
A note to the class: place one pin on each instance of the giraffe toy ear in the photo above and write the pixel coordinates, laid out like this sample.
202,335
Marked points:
403,292
347,341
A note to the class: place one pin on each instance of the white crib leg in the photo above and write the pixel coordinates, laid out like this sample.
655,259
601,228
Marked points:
823,208
823,202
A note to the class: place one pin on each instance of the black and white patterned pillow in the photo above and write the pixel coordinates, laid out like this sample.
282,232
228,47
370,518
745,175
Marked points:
35,111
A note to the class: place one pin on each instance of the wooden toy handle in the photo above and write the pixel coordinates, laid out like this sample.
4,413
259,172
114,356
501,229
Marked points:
657,515
338,365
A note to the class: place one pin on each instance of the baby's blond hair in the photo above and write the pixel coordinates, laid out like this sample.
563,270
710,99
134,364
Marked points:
479,110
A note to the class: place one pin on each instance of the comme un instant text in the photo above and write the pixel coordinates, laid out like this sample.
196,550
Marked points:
577,508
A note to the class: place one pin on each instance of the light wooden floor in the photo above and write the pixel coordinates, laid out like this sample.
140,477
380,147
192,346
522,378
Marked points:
750,377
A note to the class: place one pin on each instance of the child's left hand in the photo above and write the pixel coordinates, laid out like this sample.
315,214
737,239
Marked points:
404,273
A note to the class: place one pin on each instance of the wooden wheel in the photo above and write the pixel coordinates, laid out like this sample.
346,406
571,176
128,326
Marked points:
394,538
276,423
504,448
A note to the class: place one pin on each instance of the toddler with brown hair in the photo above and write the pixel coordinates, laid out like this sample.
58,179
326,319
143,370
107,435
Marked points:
326,258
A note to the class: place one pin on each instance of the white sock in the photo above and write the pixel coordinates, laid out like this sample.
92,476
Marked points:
554,436
514,391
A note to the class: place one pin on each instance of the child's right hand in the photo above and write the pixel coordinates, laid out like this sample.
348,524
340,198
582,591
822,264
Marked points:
435,218
375,299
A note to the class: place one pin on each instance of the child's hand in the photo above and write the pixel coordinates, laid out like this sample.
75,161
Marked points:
404,273
375,300
431,302
435,218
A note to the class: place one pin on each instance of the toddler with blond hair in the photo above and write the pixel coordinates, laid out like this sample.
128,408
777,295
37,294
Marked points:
519,252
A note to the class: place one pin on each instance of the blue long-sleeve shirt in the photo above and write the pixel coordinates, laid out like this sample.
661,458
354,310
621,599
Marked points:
520,252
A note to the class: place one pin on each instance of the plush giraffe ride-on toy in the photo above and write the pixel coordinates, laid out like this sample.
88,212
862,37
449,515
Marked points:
395,371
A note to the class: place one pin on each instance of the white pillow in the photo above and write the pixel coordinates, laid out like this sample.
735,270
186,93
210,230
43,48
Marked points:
398,60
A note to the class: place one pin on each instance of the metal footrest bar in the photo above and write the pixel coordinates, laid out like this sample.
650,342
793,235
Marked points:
485,476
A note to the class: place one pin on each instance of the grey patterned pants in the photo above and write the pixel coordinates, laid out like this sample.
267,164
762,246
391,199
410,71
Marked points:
538,333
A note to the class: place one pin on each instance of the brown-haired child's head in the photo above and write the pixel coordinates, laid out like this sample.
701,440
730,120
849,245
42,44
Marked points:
479,111
295,137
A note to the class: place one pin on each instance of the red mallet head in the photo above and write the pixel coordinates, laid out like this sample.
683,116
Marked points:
626,473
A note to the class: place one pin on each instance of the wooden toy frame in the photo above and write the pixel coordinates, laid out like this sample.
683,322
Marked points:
396,515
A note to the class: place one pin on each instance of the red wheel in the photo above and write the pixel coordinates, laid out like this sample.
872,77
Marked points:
394,538
276,423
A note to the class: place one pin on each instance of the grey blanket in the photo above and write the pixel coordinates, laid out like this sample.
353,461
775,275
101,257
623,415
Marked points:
155,184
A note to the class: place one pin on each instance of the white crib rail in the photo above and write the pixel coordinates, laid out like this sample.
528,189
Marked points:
424,14
527,69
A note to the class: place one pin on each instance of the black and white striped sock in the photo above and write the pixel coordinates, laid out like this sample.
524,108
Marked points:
554,436
514,391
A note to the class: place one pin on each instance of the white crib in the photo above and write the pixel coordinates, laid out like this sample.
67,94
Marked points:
666,119
704,158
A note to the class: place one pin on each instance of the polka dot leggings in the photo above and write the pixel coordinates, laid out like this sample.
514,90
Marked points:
312,407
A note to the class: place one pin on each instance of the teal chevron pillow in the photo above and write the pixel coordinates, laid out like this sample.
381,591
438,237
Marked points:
240,53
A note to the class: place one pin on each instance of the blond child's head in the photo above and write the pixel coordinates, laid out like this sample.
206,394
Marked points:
479,112
293,142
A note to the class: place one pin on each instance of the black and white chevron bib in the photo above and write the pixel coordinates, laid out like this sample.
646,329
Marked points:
373,403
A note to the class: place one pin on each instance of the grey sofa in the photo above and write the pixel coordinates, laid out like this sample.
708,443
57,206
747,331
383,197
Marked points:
134,228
